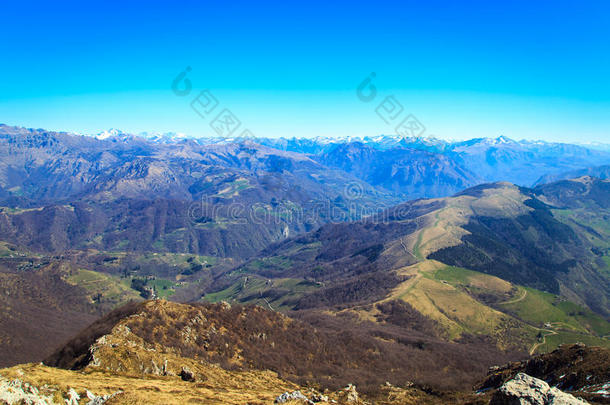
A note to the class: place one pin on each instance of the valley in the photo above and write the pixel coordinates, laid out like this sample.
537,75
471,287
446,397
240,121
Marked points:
346,260
305,203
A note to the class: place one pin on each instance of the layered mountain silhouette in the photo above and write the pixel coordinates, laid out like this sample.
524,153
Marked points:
601,172
520,235
307,264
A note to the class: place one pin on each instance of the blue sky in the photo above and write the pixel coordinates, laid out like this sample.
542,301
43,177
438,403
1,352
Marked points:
535,70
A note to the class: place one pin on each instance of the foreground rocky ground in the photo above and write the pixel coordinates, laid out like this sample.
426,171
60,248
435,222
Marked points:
524,389
166,353
41,385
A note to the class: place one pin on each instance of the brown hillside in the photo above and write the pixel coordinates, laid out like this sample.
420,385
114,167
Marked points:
324,350
40,311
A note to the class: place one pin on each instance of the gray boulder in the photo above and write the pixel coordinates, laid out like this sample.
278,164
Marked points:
292,396
526,390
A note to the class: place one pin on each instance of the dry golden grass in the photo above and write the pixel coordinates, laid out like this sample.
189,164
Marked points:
454,310
221,387
147,371
227,388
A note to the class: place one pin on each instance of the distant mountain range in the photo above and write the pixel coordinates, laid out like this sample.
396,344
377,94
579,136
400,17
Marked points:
601,172
319,144
421,246
492,159
482,159
301,183
64,191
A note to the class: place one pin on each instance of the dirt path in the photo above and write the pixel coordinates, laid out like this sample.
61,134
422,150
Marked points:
537,345
521,298
544,332
568,326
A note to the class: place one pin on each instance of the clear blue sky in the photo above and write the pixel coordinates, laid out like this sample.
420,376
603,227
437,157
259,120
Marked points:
524,69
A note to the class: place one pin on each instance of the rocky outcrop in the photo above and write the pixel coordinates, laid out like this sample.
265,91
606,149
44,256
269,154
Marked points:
526,390
291,396
20,392
17,392
351,395
99,399
573,368
299,396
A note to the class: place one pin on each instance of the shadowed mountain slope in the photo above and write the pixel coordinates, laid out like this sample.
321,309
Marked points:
139,338
600,172
496,260
497,229
64,191
410,173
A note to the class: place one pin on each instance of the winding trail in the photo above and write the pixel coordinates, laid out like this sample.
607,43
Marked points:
514,301
537,345
544,332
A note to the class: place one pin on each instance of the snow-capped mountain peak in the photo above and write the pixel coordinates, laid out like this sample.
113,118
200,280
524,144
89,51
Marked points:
110,133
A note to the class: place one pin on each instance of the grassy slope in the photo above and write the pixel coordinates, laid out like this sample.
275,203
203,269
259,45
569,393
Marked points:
256,290
462,302
111,288
532,308
105,272
444,294
454,308
220,388
459,300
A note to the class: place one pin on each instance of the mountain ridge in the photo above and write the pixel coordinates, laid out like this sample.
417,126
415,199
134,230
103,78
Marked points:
503,249
162,352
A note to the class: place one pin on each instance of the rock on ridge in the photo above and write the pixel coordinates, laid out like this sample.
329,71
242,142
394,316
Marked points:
20,392
527,390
